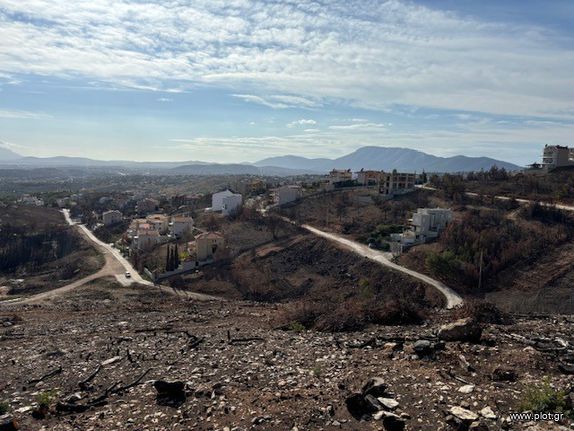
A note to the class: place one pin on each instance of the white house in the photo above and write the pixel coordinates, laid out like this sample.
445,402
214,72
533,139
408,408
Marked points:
181,225
231,204
288,194
217,199
555,156
428,222
111,217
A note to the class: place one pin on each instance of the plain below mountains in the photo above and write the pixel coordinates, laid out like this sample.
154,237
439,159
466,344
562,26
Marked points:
375,158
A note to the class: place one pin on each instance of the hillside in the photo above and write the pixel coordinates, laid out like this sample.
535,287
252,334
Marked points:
388,158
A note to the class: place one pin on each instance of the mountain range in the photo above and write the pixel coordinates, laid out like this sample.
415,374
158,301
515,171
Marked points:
375,158
389,158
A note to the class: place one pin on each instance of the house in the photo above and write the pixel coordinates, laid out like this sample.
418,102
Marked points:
340,176
427,223
180,225
111,217
147,205
31,200
231,204
217,199
556,156
158,222
289,193
146,239
369,178
207,244
396,183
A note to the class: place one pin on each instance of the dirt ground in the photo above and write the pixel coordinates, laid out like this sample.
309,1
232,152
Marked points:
239,372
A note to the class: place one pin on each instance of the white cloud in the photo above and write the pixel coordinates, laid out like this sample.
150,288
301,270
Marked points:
24,115
302,122
296,54
358,126
164,99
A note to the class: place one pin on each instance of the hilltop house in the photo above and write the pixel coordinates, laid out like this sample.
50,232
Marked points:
207,244
427,223
231,204
180,225
556,156
340,176
289,193
111,217
369,178
147,205
396,183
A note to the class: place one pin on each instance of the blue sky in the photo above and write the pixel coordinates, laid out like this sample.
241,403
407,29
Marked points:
240,80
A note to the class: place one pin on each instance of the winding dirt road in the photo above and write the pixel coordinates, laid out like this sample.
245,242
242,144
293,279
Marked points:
453,299
115,266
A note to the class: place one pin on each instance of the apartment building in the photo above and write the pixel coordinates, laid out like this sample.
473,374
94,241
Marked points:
396,183
556,156
289,193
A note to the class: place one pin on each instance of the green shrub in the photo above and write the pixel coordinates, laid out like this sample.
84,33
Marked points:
543,399
46,398
4,407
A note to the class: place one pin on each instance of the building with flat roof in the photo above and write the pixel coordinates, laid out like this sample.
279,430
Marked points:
556,156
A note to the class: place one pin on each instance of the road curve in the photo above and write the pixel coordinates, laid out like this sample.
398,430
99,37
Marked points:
453,299
115,266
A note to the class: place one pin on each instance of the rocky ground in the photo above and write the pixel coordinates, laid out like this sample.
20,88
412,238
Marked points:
112,358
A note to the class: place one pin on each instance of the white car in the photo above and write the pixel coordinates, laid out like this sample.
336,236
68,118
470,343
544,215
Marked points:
128,275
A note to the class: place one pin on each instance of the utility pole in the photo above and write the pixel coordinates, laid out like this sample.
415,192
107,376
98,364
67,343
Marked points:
480,270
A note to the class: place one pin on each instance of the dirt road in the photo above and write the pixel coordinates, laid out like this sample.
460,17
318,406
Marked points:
453,299
115,266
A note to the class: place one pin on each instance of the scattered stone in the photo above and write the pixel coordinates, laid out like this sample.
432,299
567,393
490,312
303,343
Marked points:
9,425
466,389
504,374
461,330
423,348
566,368
111,361
488,413
388,403
478,426
463,414
376,387
391,421
170,393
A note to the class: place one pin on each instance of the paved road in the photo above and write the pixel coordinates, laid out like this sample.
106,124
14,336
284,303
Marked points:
115,266
453,299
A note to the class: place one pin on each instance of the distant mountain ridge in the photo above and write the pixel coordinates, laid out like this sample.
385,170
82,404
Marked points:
388,158
375,158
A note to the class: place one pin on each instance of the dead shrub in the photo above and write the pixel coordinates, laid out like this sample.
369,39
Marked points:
305,313
347,317
397,312
482,312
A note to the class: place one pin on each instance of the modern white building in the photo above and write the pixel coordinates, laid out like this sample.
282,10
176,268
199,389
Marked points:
111,217
180,225
556,156
231,204
427,223
217,199
287,194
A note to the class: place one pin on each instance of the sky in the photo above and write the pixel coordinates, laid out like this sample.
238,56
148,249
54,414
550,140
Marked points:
241,80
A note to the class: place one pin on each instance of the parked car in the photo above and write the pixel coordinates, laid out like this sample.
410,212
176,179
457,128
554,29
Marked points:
128,274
